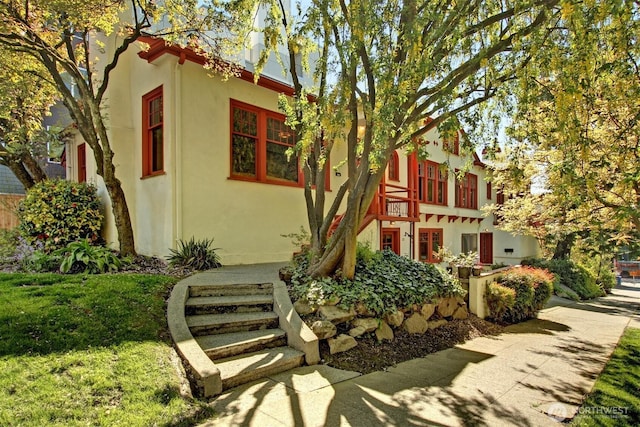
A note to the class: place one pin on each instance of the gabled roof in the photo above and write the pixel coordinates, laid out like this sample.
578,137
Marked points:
158,47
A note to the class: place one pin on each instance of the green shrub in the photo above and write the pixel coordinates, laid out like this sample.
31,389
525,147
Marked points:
8,242
571,275
58,212
533,288
499,299
198,255
82,256
383,282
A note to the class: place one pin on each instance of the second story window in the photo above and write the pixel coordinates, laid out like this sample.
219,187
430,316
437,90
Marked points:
467,192
259,143
432,183
394,167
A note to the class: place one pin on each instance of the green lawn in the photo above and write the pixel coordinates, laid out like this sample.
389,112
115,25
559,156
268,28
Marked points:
615,398
89,350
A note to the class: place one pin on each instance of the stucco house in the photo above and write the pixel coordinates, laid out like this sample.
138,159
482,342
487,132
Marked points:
205,158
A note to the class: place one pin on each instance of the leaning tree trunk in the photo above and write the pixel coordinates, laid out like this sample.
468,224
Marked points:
21,173
564,246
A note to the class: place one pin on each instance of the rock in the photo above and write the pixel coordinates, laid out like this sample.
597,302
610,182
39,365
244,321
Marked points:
461,313
427,310
384,332
416,324
437,323
447,306
369,324
285,274
334,300
362,310
341,343
357,331
324,329
336,315
395,319
303,307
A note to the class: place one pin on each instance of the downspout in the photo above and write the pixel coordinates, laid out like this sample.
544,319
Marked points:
177,152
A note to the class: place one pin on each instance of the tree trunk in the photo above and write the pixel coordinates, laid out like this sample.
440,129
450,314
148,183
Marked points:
34,168
564,246
121,215
21,173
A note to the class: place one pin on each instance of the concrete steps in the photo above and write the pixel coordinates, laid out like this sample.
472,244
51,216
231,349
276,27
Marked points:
237,328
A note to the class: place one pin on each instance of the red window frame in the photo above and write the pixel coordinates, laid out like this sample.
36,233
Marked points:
425,244
467,192
152,133
431,177
453,147
489,190
260,136
394,167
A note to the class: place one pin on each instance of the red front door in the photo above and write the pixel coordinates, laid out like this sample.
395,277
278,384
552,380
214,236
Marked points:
486,248
82,163
391,239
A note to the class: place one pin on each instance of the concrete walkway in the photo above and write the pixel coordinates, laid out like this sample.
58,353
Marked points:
534,374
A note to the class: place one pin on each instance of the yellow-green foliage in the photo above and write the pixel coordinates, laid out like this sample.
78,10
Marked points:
57,212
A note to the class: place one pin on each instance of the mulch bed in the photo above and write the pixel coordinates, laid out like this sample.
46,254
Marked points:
370,355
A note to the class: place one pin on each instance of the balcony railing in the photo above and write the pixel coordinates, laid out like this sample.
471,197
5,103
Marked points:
395,203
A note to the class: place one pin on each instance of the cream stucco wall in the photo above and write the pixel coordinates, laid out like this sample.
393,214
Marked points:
195,196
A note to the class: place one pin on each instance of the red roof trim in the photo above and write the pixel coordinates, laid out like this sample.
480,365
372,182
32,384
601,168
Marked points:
158,47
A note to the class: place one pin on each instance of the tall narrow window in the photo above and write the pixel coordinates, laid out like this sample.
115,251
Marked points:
432,184
394,167
430,242
153,133
467,192
260,141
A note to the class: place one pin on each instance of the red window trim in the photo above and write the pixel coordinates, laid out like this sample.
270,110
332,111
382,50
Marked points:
147,147
394,167
429,231
82,162
455,150
489,190
261,172
464,186
437,179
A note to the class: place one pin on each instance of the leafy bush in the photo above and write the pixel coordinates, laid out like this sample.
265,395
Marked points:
533,288
8,242
383,282
83,257
572,275
58,212
198,255
499,299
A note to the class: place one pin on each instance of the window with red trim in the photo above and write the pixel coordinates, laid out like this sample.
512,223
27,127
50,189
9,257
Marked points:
430,242
152,133
259,143
467,192
394,167
489,190
432,183
453,147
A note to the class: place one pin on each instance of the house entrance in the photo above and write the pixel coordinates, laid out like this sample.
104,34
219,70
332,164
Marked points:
486,248
391,239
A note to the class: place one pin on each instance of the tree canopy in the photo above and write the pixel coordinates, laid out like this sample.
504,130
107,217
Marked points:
576,131
78,45
390,71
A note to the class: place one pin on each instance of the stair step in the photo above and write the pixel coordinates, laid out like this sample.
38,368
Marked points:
248,367
232,344
228,304
209,324
224,289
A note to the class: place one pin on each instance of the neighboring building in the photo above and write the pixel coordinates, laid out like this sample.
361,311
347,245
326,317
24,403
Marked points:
205,158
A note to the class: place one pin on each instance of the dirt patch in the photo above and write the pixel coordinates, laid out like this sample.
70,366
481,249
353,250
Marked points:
371,355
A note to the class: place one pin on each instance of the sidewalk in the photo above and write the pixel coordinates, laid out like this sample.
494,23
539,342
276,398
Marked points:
536,368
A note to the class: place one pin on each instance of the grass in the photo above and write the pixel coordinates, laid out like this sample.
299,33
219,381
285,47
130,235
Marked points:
89,350
615,398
